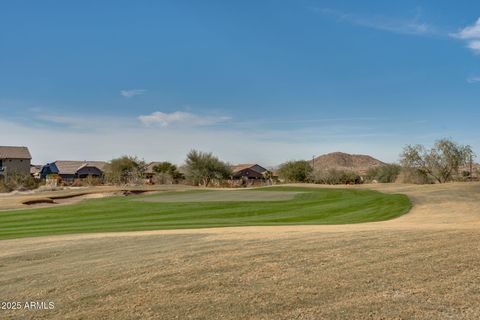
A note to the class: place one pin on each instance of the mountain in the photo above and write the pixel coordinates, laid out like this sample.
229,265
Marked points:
358,163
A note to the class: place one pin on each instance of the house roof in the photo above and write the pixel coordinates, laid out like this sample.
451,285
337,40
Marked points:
253,166
71,166
14,153
34,169
149,167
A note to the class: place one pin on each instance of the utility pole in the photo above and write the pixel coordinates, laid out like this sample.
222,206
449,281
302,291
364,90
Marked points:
471,167
313,162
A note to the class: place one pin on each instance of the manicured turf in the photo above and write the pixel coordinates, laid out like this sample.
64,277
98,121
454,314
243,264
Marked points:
310,206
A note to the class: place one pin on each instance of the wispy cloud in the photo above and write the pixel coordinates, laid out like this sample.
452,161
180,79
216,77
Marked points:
471,34
132,92
182,118
473,79
412,26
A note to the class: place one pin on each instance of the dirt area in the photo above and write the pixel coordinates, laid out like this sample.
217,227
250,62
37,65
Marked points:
221,196
423,265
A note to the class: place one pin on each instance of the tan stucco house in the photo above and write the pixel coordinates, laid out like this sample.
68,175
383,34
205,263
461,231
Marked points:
14,160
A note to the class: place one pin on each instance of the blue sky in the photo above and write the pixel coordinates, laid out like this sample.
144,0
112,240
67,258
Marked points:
251,81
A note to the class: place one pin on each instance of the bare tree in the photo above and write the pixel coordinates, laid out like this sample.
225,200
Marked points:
439,162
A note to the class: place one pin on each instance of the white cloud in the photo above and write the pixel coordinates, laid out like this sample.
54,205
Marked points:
132,93
471,34
412,26
181,118
473,79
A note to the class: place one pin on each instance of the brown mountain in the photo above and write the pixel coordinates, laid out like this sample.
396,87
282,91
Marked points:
343,161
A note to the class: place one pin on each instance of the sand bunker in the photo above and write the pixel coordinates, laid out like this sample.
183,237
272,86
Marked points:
223,196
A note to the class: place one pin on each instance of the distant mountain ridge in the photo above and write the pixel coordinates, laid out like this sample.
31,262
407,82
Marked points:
358,163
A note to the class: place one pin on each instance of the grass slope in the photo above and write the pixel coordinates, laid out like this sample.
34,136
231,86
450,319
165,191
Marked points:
312,206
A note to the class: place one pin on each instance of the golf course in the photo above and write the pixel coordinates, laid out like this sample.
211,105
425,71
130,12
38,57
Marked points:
292,255
273,206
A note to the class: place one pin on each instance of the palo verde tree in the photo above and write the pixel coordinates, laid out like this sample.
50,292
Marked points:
202,168
439,162
167,168
295,171
123,170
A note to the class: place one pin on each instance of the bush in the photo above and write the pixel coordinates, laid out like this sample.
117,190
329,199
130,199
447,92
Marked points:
334,176
384,174
20,182
167,173
415,176
204,168
295,171
124,170
87,182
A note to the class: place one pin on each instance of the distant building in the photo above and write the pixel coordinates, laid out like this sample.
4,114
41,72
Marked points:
35,170
69,170
14,160
250,171
149,173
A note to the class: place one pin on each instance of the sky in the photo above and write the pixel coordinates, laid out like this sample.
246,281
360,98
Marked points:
251,81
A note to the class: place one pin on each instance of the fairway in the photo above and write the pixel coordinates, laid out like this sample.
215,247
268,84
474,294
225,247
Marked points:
204,209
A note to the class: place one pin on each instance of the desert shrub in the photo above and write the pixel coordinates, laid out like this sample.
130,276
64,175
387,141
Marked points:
295,171
167,173
204,168
384,174
16,181
88,181
124,170
414,176
335,176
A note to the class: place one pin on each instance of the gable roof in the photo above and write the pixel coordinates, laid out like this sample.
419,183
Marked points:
71,166
253,166
149,167
7,152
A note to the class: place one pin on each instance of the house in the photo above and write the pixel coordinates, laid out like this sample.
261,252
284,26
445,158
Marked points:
14,160
68,170
149,173
250,171
35,170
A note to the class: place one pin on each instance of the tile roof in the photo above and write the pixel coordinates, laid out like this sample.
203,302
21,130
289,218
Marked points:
149,167
240,167
14,153
71,166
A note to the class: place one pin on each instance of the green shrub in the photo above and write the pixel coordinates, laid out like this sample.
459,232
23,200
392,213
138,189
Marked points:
335,176
295,171
384,174
124,170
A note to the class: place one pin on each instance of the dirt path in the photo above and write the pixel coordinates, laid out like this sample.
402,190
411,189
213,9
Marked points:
423,265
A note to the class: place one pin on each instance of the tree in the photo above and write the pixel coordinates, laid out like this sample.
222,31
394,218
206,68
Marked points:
439,162
335,176
201,168
384,174
171,170
126,169
295,171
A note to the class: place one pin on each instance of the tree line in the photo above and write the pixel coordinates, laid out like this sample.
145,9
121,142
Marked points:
418,164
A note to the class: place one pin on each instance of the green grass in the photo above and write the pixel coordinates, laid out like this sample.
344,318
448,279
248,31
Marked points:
312,206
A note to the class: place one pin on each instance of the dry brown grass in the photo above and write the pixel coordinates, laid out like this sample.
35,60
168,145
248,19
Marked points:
423,265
